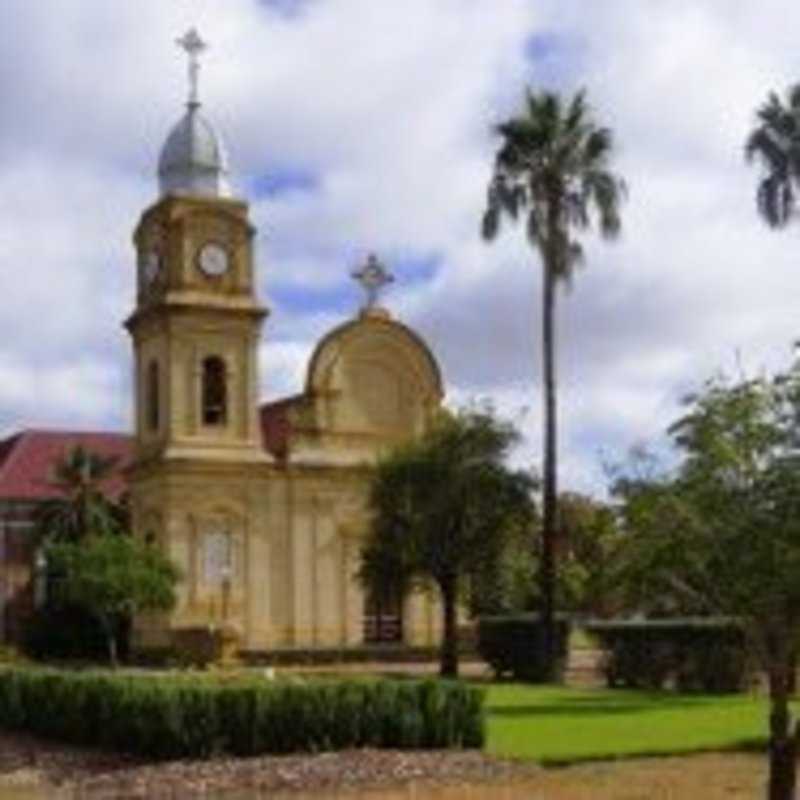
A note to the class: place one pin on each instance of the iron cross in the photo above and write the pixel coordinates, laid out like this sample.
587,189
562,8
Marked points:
194,46
373,276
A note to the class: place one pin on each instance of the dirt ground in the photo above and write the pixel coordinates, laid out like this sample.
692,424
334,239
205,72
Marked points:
31,769
706,777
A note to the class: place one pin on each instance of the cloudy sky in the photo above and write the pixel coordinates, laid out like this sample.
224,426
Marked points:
358,125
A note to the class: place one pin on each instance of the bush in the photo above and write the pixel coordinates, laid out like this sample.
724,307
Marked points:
692,655
167,718
512,645
9,654
64,632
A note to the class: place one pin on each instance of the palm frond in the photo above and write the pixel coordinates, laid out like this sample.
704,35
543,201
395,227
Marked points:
775,145
533,228
775,200
552,162
490,224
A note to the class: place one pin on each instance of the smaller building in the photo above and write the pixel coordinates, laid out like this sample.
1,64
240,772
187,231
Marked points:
26,469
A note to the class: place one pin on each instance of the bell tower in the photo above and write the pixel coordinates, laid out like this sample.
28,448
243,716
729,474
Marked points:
199,463
195,330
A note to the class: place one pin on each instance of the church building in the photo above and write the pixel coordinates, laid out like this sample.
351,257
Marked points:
263,507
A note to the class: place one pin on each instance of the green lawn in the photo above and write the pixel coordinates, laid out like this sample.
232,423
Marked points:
556,725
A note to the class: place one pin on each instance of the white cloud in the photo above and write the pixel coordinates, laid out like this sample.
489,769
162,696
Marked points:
388,108
82,394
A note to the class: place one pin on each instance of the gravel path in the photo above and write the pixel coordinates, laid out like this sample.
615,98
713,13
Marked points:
31,769
57,771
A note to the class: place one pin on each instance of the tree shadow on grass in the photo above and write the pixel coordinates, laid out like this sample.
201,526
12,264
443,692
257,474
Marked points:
756,746
605,705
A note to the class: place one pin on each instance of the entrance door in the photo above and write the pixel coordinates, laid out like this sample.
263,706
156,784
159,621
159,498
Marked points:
383,616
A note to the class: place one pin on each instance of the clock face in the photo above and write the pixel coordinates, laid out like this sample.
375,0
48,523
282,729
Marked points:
213,260
151,266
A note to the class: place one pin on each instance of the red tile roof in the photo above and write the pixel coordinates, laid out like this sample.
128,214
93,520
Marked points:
27,458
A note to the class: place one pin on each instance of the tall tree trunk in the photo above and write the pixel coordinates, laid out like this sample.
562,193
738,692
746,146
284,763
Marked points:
448,665
782,741
547,569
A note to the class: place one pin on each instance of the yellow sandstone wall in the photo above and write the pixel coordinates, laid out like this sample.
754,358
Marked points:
293,529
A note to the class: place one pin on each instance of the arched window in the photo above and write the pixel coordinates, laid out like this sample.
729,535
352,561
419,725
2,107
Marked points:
218,556
215,391
151,395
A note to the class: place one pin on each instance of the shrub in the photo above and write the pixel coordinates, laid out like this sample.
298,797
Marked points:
9,654
165,718
512,645
693,655
358,654
64,632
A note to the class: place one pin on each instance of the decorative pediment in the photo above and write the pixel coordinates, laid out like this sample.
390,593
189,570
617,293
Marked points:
373,376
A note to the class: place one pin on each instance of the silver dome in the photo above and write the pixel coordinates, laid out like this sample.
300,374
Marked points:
193,160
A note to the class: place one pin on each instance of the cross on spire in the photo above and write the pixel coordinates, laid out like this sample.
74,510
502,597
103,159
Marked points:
194,46
373,277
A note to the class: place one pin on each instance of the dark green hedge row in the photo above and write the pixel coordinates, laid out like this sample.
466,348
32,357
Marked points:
164,718
298,656
65,633
691,655
512,645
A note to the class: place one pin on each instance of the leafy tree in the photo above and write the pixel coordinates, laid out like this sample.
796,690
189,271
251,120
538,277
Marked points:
775,145
505,583
553,167
590,548
112,577
722,530
442,505
82,507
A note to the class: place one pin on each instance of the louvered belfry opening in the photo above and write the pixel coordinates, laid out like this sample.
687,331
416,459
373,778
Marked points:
215,391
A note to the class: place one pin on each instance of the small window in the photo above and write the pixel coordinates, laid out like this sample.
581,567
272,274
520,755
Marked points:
152,396
215,391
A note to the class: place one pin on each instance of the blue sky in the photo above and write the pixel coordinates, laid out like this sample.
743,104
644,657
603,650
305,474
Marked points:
357,126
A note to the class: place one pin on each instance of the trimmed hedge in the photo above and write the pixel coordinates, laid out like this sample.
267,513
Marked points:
167,657
691,655
512,645
64,632
171,656
170,718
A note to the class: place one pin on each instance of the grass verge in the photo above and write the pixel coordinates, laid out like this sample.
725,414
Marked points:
557,726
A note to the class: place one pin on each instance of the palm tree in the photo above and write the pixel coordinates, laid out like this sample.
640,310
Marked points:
775,144
553,165
82,507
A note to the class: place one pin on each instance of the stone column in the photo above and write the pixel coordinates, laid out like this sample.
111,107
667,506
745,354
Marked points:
303,569
351,590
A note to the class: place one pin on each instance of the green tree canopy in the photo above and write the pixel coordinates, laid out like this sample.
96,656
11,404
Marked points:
590,547
113,576
721,531
442,505
553,169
